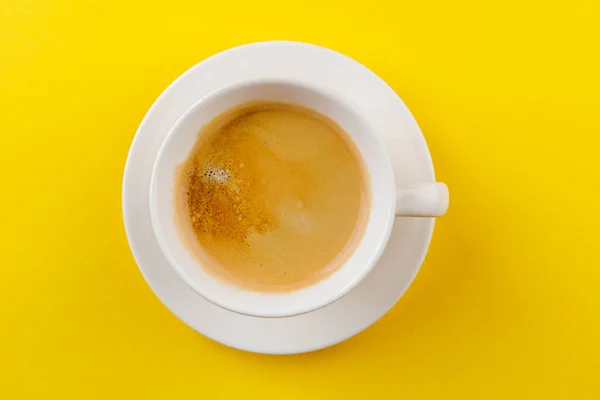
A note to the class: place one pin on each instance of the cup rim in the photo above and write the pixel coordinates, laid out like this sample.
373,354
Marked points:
375,253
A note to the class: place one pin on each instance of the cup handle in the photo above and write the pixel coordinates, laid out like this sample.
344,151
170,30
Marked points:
422,199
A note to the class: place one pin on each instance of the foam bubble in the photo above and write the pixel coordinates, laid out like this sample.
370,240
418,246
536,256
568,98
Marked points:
216,174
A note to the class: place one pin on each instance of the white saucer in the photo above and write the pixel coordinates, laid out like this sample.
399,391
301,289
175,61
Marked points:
400,262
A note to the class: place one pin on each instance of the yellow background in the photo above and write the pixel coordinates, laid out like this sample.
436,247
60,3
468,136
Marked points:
507,304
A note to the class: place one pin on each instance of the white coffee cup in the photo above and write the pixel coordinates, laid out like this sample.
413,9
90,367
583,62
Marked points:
418,199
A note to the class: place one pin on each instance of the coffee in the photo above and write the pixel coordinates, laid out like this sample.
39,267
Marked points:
273,197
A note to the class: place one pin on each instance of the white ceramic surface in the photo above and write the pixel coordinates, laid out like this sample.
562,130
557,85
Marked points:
405,146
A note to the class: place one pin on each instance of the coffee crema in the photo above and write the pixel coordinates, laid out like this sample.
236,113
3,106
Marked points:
273,197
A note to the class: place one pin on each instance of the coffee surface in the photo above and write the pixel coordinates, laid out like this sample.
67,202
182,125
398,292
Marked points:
273,197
